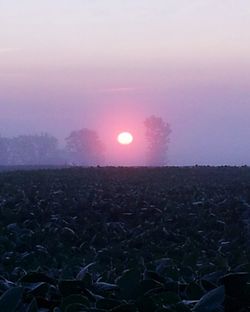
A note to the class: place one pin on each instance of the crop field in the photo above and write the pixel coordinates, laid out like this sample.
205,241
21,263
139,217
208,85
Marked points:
125,240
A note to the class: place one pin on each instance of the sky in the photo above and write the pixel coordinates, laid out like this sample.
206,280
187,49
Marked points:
109,64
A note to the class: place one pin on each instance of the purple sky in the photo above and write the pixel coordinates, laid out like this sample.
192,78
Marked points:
108,64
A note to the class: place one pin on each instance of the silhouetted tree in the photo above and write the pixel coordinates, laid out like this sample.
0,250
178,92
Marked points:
85,148
157,135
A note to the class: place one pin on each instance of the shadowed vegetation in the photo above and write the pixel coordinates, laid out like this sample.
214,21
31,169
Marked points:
125,239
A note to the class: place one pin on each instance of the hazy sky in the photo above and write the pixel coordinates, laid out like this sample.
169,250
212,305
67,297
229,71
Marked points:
108,64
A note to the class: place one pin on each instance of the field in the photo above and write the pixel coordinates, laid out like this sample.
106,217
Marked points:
125,239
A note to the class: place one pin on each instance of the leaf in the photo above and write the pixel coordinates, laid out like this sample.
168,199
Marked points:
146,304
234,283
70,287
76,307
68,234
5,284
194,291
95,310
214,276
107,304
37,289
84,270
207,286
10,299
32,306
103,287
153,276
74,299
129,283
124,308
166,298
36,277
211,301
181,307
149,285
162,263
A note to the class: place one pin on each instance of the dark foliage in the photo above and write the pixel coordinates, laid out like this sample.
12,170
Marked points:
124,239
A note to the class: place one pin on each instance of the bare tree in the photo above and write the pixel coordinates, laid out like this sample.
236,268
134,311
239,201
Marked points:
85,148
157,135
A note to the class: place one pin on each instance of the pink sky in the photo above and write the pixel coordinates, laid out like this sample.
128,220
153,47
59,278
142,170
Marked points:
108,64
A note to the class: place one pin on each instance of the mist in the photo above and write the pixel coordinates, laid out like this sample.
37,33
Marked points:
210,121
107,68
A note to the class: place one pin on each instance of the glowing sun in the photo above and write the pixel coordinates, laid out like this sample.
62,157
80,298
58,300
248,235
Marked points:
125,138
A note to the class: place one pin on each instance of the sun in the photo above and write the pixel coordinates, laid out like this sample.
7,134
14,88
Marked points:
125,138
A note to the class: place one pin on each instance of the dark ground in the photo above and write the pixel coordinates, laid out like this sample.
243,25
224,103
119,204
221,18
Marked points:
181,232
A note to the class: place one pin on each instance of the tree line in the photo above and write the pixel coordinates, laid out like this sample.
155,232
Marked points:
82,147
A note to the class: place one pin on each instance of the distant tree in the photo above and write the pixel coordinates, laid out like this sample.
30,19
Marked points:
33,150
46,149
157,135
85,148
4,151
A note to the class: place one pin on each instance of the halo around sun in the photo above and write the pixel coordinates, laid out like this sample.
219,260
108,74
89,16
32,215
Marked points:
125,138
